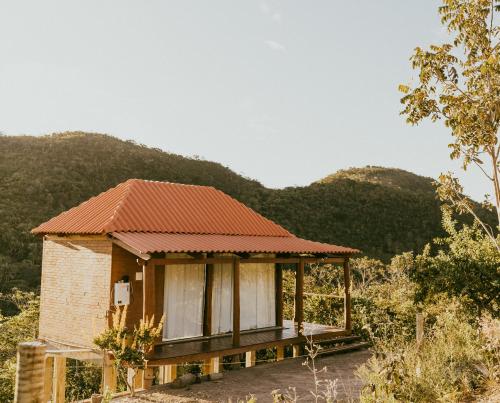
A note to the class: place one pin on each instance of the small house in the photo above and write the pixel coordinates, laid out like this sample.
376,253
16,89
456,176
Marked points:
210,264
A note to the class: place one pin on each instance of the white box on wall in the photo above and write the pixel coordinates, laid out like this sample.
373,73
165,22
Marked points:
122,293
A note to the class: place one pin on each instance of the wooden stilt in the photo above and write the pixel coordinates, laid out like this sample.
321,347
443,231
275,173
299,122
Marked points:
347,296
59,384
296,350
250,358
280,353
109,376
48,378
30,372
170,373
215,365
138,380
148,377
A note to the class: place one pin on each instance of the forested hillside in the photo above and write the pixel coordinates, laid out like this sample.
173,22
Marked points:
381,211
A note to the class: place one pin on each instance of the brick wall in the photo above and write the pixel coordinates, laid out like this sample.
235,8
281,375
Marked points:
75,297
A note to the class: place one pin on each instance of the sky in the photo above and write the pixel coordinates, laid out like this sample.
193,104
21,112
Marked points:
284,92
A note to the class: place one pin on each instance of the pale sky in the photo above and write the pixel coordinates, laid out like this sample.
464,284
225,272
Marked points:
285,92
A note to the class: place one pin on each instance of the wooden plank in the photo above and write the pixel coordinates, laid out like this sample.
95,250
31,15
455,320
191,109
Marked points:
148,291
48,378
347,296
299,294
222,346
123,245
221,260
250,358
280,353
109,379
279,294
207,309
236,301
59,385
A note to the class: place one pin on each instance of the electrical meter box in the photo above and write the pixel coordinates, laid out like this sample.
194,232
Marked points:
122,293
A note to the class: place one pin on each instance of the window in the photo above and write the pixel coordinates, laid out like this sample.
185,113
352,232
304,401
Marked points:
183,302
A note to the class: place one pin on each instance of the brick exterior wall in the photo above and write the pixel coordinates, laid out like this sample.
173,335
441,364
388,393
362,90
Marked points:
75,292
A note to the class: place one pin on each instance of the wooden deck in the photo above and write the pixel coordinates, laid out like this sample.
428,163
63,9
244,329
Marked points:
203,348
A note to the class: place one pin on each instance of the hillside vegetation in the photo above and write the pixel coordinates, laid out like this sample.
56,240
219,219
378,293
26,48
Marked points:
380,211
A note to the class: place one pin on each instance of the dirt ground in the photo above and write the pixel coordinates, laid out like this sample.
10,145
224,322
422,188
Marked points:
262,379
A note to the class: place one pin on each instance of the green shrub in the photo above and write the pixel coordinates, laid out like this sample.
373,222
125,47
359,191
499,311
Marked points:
449,365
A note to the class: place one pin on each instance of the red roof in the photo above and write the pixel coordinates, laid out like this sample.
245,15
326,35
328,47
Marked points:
169,217
151,243
147,206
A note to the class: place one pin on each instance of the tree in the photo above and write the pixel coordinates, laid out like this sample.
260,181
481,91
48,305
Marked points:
129,346
459,83
467,265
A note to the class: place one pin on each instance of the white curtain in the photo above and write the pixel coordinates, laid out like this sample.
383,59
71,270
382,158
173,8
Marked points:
257,295
222,299
183,301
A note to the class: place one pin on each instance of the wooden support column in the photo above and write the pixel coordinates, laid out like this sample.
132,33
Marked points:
207,310
168,373
215,365
48,378
250,358
236,301
279,294
30,370
280,353
347,295
148,377
138,380
296,350
299,294
59,385
109,378
148,291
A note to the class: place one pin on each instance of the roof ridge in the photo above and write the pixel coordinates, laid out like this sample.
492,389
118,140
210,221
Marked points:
129,184
170,183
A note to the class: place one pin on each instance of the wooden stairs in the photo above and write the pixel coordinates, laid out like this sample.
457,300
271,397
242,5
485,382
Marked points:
341,344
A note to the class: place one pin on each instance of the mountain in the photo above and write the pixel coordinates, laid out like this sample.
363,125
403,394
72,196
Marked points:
378,210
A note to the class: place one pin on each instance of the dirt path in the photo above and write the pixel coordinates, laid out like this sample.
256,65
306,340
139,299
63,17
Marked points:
263,379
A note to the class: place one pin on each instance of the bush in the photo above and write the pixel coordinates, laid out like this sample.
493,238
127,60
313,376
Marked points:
449,365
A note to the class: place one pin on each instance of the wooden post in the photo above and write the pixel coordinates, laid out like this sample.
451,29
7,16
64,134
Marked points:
280,353
59,385
250,358
148,377
236,301
296,350
420,328
109,375
48,376
168,373
148,291
279,294
215,365
30,371
207,311
138,381
299,295
347,295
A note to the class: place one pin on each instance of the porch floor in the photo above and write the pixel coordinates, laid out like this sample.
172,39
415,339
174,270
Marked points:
199,349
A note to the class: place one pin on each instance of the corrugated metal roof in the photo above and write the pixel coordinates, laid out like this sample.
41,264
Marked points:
178,243
147,206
